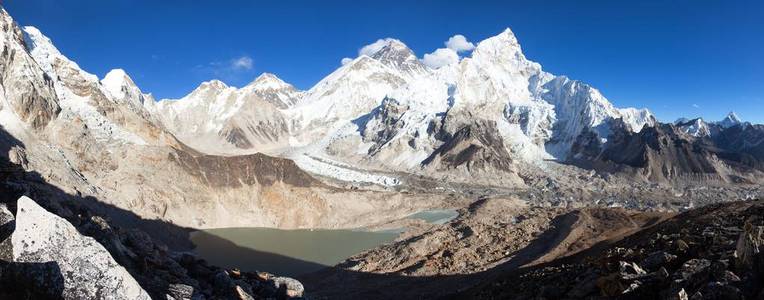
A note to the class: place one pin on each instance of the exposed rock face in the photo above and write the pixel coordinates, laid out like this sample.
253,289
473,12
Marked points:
384,124
25,88
743,145
87,269
475,147
668,152
246,170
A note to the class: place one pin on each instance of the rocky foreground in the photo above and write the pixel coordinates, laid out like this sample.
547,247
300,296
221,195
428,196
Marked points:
44,256
713,252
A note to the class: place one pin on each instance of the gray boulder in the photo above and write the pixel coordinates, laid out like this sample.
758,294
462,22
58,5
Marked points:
88,271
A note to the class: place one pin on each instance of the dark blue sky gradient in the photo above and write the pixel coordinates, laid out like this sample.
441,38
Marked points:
678,58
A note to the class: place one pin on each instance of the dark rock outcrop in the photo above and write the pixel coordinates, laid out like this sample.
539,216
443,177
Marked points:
477,146
665,152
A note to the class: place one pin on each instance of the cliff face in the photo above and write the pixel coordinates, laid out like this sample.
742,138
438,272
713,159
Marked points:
26,89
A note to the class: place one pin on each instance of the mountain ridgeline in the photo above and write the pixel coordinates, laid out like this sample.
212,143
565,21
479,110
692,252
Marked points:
382,137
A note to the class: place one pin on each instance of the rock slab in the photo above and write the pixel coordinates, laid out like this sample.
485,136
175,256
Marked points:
87,269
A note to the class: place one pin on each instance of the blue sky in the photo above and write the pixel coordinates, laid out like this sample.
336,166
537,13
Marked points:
678,58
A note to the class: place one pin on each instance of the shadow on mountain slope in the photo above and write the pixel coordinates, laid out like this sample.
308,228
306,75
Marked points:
137,244
140,245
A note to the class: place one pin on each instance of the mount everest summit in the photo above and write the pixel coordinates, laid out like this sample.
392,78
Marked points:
387,110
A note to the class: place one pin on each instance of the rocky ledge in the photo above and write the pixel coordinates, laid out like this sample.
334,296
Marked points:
44,256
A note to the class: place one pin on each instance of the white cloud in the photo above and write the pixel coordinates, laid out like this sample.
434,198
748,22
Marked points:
242,63
440,57
695,105
459,43
346,60
370,49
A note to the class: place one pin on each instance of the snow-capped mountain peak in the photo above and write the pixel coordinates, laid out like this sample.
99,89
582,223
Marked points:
269,81
502,43
394,54
123,89
695,127
274,90
117,82
213,84
730,120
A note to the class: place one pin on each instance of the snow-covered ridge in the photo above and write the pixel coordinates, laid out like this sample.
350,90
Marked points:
539,115
730,120
698,127
75,89
343,118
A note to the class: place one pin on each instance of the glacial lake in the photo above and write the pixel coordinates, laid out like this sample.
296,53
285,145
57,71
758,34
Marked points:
293,252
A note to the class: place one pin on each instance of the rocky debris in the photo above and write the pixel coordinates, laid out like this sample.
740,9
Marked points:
292,287
17,155
181,292
69,265
490,235
7,225
88,271
657,259
705,253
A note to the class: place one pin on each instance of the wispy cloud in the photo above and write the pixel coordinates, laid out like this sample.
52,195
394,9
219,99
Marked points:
242,63
695,105
226,70
374,47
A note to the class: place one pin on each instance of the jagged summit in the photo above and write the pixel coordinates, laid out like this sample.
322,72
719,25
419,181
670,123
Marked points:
730,120
696,127
392,53
504,42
